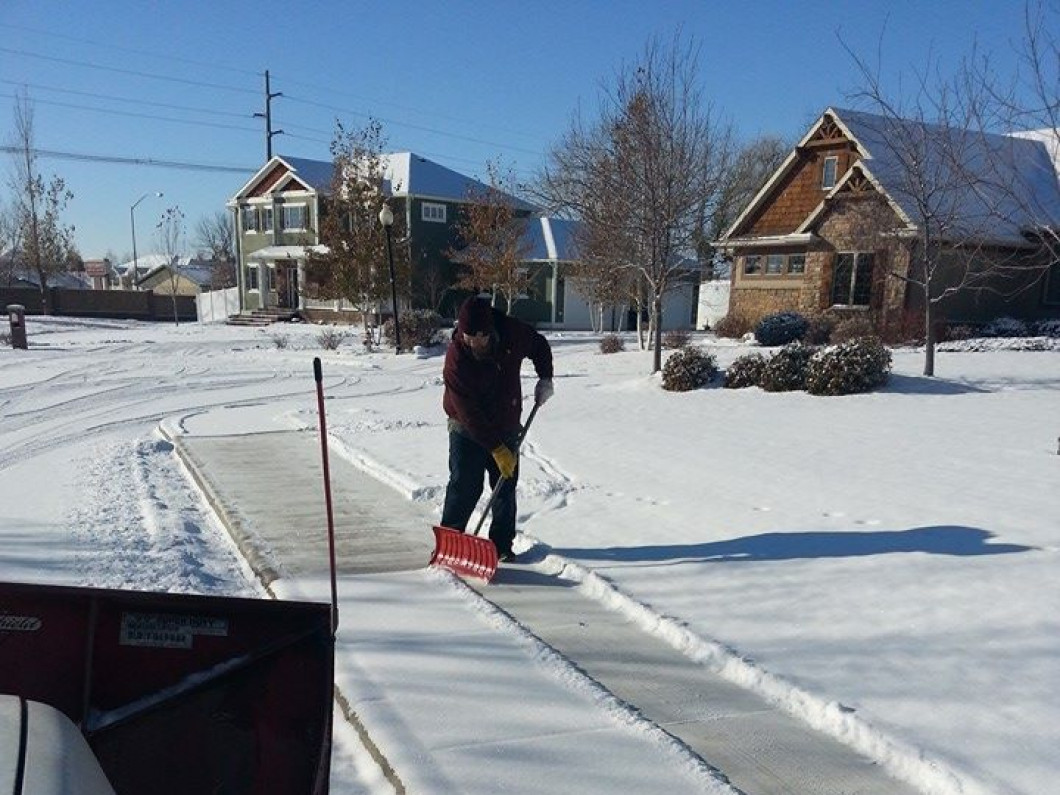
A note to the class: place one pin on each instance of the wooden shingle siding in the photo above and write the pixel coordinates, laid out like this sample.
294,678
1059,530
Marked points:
797,196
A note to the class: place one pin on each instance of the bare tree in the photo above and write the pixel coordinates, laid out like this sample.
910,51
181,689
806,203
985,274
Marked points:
214,234
932,157
751,167
642,174
10,240
354,266
493,245
39,206
170,233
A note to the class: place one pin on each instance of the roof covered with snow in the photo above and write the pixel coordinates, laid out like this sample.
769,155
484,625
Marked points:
405,174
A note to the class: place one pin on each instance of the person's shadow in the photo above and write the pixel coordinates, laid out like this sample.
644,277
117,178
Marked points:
940,540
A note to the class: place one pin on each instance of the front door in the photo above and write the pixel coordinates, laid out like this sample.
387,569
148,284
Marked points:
287,285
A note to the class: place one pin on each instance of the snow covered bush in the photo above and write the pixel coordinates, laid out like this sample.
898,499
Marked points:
858,365
781,328
1048,328
852,328
745,371
1005,327
732,327
418,327
676,339
689,368
612,343
330,338
786,369
280,340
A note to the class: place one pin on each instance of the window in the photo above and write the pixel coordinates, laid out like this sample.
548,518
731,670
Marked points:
250,219
796,264
433,212
852,280
266,219
1052,284
774,264
252,277
752,264
294,217
271,275
828,172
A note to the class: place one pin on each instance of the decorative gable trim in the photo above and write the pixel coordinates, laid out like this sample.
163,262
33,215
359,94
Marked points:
274,176
858,181
828,130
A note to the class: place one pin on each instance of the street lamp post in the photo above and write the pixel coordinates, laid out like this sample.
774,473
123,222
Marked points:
132,220
386,218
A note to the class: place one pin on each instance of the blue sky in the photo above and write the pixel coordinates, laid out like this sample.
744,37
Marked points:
459,82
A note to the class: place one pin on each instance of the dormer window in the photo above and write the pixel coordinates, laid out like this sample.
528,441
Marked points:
828,172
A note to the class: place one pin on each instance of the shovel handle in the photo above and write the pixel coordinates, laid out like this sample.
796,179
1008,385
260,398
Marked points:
501,479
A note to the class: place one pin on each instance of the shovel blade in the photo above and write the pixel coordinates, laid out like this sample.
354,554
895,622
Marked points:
463,554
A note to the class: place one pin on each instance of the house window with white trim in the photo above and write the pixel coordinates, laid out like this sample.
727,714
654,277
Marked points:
252,277
752,264
829,172
435,213
852,280
294,217
250,218
774,264
266,219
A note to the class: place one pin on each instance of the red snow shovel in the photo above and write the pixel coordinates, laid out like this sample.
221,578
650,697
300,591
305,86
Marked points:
472,555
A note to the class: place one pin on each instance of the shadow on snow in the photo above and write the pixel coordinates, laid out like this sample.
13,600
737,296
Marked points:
946,540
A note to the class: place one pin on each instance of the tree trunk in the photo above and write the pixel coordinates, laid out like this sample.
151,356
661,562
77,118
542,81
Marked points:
929,337
176,318
656,311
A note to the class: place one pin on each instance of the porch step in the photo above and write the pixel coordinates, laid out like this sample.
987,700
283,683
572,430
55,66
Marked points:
261,317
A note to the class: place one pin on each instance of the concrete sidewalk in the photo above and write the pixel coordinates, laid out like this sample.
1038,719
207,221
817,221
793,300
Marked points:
267,489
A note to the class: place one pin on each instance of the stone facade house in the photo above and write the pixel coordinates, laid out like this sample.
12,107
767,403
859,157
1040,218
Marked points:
836,228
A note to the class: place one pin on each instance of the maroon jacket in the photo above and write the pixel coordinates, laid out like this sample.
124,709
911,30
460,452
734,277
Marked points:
484,397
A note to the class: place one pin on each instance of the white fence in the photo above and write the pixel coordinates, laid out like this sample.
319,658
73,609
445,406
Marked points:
216,305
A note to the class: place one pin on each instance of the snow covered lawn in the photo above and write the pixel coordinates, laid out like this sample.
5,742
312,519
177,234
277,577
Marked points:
883,564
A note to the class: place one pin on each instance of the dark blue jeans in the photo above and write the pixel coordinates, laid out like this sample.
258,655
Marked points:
469,462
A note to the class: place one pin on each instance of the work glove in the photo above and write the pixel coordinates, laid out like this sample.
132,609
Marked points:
506,460
543,391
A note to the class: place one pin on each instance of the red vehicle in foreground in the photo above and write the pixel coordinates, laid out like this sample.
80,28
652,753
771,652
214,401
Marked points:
172,693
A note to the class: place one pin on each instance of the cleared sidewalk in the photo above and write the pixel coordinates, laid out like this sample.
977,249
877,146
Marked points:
267,489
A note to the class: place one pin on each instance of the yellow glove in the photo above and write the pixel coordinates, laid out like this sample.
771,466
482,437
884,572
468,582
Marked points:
506,460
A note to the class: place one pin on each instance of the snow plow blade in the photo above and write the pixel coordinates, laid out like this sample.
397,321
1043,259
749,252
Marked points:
178,693
464,554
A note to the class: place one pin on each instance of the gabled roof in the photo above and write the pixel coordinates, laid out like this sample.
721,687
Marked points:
1015,183
550,239
198,271
404,173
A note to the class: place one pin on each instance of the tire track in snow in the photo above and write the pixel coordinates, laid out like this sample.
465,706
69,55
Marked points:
145,525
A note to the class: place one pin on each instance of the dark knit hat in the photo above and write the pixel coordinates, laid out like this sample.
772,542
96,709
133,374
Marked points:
476,316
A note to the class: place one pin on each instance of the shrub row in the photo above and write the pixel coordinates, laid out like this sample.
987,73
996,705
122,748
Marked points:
857,365
689,368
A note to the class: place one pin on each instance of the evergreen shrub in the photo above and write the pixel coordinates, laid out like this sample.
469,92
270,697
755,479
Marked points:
858,365
745,371
689,368
1005,327
781,328
612,343
1048,328
786,369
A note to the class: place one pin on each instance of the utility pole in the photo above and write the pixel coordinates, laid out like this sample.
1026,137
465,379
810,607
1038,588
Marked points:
267,115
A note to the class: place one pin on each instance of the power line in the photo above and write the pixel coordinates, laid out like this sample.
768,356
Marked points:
135,115
115,47
133,161
133,72
112,98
